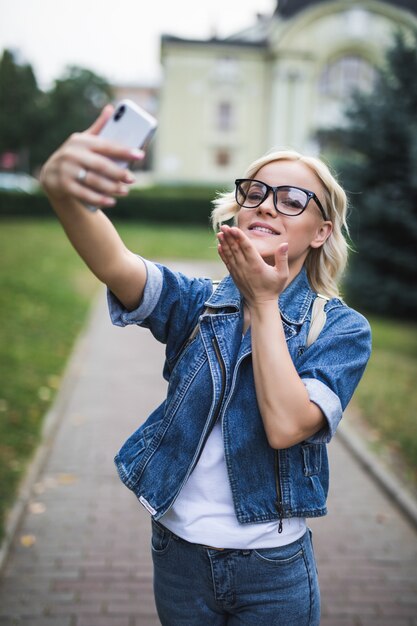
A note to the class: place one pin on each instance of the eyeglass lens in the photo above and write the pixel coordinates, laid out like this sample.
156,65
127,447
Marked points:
289,200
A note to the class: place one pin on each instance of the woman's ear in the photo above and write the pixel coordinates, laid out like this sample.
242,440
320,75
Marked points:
322,234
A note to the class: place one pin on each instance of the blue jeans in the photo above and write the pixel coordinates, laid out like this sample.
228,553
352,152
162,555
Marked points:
197,585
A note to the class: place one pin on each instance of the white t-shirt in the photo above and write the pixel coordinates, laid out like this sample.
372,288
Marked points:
204,513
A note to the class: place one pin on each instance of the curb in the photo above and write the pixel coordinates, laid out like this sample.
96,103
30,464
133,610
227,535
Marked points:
393,487
50,427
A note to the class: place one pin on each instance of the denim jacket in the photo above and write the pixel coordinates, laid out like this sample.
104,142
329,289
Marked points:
211,377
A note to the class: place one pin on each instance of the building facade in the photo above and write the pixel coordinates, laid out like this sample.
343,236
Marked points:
224,102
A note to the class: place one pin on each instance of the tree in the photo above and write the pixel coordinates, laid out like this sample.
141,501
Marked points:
34,123
73,103
378,167
21,103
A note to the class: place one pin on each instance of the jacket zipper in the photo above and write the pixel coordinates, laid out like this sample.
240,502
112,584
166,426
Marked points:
220,402
278,502
223,370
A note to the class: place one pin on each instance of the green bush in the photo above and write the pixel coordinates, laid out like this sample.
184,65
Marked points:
191,205
19,204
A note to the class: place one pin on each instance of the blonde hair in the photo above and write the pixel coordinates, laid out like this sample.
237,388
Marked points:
324,265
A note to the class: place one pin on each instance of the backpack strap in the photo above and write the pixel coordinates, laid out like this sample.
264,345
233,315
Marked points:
318,319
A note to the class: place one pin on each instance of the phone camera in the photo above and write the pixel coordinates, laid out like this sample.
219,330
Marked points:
119,113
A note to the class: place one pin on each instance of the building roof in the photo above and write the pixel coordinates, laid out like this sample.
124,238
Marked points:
257,34
288,8
238,40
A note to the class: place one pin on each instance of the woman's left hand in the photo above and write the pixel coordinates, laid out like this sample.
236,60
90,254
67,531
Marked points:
257,281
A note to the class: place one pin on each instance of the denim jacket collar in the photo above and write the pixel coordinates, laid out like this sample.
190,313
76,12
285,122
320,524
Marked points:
294,302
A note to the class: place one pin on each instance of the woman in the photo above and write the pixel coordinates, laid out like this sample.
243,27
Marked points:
234,461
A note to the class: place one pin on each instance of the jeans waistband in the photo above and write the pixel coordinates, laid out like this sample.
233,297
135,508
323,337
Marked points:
206,547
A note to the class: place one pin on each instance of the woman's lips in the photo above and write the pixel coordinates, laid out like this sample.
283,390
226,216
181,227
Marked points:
263,228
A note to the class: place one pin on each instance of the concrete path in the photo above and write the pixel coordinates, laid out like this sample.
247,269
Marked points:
80,556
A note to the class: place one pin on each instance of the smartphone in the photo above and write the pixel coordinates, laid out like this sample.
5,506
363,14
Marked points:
129,125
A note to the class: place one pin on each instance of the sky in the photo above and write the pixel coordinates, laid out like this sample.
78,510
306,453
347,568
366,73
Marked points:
119,40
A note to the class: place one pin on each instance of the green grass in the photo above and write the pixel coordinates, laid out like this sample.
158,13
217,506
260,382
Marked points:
44,297
387,394
169,242
45,293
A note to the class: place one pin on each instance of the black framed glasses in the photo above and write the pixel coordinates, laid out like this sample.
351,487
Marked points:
288,200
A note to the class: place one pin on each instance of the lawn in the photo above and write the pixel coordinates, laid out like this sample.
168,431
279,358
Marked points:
44,299
387,394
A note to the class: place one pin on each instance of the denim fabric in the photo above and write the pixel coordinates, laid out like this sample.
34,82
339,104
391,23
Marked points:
196,585
212,377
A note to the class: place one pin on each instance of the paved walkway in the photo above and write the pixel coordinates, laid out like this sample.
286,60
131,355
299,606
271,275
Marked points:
81,554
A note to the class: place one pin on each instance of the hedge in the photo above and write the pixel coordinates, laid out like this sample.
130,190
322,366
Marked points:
190,205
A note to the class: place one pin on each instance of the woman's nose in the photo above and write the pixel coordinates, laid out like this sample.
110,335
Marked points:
268,206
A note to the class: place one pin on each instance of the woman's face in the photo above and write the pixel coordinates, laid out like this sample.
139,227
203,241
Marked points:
267,228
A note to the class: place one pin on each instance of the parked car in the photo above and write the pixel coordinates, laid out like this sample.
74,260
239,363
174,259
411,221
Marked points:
18,181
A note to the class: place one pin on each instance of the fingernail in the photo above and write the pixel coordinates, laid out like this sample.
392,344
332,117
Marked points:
284,247
137,154
129,178
109,201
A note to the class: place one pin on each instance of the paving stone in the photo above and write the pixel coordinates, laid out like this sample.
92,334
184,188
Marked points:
335,621
40,621
380,621
103,620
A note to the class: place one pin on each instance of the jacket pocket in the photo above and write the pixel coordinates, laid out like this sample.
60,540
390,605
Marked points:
130,457
312,458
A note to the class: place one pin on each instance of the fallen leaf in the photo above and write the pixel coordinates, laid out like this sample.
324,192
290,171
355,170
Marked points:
67,479
77,420
54,381
27,541
37,508
44,393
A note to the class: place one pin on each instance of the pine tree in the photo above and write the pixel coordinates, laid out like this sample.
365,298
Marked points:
378,168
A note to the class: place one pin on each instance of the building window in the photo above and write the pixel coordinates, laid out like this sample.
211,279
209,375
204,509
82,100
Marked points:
347,74
222,157
224,116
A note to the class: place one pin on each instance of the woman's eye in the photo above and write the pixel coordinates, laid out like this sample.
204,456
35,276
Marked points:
255,196
293,204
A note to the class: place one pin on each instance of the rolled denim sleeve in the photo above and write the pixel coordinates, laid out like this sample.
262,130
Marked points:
170,306
329,403
152,292
333,365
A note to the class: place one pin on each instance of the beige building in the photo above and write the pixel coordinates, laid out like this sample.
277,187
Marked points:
224,102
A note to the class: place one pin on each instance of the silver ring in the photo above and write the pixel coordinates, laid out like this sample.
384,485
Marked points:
82,174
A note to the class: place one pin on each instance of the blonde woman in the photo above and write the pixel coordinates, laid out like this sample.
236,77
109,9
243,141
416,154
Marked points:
234,461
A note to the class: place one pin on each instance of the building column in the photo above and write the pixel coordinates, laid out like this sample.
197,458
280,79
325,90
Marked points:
289,104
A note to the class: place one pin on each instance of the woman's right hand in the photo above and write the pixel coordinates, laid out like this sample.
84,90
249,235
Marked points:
83,168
